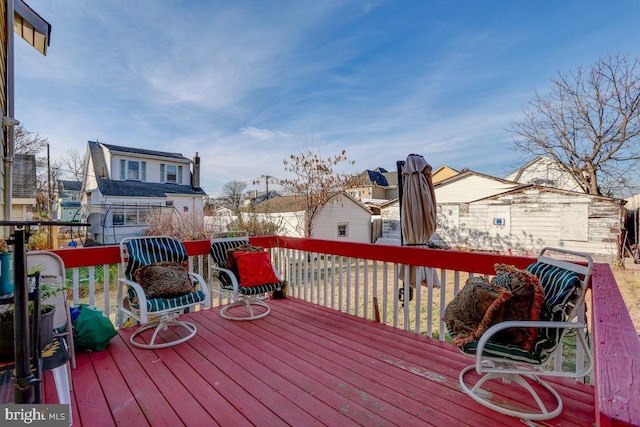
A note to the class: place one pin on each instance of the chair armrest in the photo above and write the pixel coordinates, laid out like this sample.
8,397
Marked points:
234,279
142,298
489,333
202,284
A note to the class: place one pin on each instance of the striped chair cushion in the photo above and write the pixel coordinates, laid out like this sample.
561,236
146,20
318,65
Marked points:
159,304
560,288
219,250
152,250
256,290
155,250
219,254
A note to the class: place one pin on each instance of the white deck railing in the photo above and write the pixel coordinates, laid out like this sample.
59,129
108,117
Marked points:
363,280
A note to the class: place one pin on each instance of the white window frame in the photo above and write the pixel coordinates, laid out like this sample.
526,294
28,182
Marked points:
171,170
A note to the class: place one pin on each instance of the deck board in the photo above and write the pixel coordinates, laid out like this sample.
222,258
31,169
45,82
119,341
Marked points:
301,365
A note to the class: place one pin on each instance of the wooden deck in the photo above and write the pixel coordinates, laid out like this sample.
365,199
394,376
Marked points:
301,365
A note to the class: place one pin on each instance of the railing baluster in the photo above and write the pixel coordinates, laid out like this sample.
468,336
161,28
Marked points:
443,303
92,285
340,284
106,288
76,286
396,289
365,296
418,303
356,289
348,308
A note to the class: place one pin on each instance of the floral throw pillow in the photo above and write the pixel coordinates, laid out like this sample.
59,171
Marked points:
513,294
471,311
164,280
525,303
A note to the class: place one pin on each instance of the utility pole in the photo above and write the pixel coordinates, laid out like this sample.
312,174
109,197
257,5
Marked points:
266,180
50,239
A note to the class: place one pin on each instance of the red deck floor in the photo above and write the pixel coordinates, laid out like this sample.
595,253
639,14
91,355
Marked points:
301,365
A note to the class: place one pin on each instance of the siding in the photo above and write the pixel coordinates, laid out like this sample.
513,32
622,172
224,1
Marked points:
342,210
469,188
535,218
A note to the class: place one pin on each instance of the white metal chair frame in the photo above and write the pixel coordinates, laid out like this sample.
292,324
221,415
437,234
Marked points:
159,320
53,274
509,371
238,298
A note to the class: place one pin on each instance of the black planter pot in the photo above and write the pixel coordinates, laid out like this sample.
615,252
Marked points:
7,339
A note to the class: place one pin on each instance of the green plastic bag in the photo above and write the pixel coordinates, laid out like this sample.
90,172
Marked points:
92,330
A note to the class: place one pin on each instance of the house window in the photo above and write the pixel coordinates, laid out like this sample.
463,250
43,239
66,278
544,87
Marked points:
118,215
172,174
133,171
123,169
169,203
131,215
185,208
179,174
342,230
143,171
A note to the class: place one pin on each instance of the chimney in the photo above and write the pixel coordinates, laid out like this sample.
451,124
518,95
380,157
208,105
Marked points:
195,179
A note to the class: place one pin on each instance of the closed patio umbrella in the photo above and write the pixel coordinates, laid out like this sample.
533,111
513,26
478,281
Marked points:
417,207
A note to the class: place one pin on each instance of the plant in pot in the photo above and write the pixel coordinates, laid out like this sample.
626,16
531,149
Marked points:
47,312
6,267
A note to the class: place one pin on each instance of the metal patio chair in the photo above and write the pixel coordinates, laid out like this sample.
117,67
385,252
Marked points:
248,302
167,256
564,284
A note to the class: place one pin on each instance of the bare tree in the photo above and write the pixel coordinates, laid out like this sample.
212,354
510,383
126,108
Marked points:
73,164
27,142
315,180
232,194
589,124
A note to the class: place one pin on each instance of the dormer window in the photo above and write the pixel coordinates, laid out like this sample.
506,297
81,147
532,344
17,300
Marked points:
133,170
171,173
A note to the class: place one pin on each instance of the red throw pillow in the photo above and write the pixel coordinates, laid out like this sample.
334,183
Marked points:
255,269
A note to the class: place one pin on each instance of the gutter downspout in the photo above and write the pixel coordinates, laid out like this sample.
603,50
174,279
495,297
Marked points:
10,111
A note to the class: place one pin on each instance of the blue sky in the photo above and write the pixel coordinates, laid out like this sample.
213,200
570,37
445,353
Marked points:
247,83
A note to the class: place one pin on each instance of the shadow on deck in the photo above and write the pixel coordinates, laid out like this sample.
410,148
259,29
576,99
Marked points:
301,365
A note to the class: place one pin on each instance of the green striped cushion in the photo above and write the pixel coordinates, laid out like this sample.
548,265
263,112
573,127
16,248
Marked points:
153,250
159,304
256,290
219,250
560,288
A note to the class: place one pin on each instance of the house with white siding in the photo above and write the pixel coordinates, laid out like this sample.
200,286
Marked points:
524,220
125,188
342,218
484,213
545,172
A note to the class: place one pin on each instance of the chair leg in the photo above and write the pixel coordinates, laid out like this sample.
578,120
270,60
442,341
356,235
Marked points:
248,304
162,325
482,397
62,378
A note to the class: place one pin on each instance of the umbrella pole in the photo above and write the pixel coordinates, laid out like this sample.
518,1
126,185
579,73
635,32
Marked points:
400,165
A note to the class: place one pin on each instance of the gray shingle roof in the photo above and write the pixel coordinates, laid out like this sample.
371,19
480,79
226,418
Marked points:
143,151
69,185
109,187
24,176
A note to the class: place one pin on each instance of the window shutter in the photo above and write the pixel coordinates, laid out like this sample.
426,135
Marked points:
143,171
123,170
162,177
179,174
